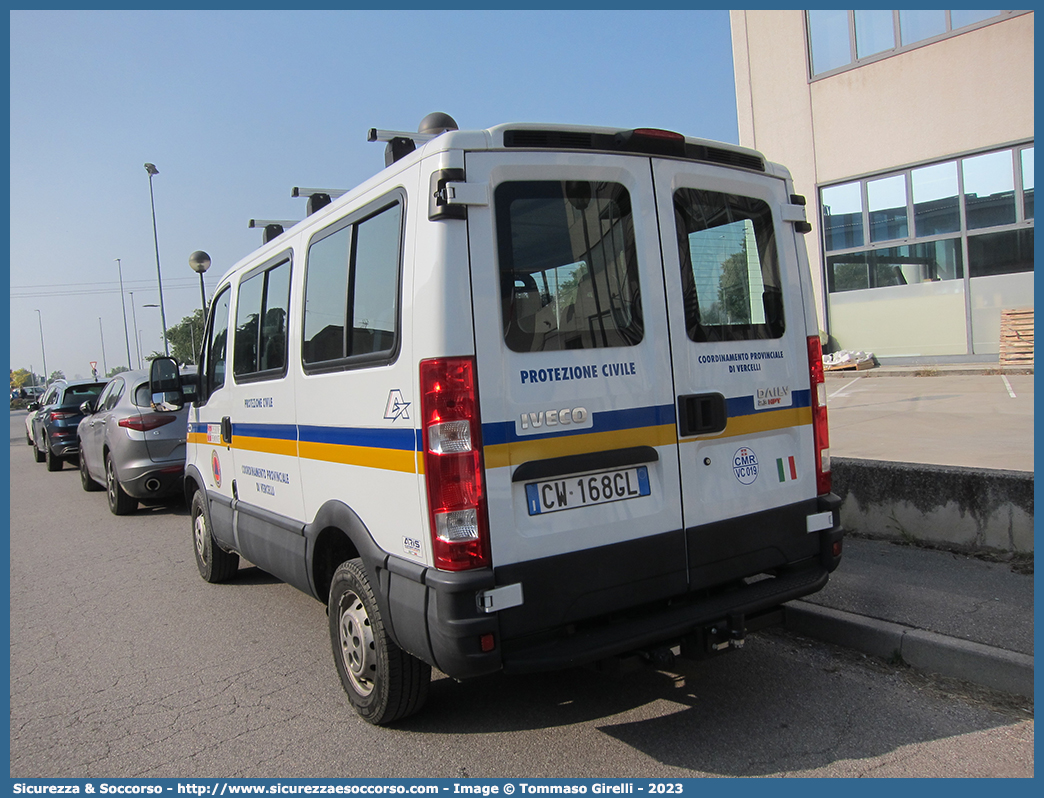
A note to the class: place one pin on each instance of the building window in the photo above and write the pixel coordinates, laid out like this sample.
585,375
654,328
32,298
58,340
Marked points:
989,190
843,216
886,202
1000,253
874,32
842,39
936,200
917,25
1027,182
828,33
930,262
981,192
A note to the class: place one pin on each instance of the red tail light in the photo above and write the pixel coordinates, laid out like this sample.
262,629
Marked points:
820,433
146,422
453,464
58,415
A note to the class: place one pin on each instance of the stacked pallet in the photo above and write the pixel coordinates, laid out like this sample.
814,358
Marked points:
1016,337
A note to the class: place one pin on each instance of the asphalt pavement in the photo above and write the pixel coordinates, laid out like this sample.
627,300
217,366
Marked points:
959,615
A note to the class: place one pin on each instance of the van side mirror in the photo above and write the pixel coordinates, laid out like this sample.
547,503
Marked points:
165,385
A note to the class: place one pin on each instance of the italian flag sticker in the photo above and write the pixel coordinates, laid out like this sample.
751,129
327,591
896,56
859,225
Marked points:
787,468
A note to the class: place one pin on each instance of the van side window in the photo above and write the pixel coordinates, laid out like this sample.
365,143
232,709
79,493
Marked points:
730,271
261,314
352,291
217,344
568,266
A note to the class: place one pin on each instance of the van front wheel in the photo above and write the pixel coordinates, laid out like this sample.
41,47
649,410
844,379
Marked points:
383,682
214,563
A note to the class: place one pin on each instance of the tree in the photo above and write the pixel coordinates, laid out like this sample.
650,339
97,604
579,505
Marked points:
116,370
23,378
56,375
185,337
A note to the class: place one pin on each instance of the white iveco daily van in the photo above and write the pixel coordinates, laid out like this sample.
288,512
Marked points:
532,397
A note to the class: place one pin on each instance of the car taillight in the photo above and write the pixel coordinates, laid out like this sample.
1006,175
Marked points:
147,422
453,464
58,415
820,434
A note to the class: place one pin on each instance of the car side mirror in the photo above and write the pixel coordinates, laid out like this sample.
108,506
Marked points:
87,408
32,406
165,385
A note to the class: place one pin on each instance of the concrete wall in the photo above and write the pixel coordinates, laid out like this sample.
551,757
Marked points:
969,508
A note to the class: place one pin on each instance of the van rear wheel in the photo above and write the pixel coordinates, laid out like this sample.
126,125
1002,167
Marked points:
383,682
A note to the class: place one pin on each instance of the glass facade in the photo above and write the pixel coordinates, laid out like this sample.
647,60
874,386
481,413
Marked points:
840,39
910,253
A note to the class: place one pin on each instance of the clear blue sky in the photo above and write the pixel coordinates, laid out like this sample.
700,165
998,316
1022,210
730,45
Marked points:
237,107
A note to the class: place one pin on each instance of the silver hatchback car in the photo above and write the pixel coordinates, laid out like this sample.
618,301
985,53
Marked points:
135,453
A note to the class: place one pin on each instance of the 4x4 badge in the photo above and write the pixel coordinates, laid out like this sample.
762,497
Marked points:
396,407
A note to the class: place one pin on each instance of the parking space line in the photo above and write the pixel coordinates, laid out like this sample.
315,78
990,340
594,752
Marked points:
1007,385
844,388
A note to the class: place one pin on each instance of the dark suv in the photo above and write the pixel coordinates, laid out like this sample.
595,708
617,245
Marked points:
57,416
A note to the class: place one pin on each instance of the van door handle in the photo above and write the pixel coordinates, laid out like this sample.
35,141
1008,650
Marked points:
226,430
701,414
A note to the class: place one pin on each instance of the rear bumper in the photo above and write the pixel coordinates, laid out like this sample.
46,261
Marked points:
586,606
152,480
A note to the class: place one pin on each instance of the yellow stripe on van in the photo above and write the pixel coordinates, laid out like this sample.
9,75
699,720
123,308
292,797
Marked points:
368,457
518,452
763,422
265,445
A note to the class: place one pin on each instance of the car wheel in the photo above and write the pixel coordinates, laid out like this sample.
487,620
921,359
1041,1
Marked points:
86,480
214,563
38,455
28,438
119,502
54,463
383,682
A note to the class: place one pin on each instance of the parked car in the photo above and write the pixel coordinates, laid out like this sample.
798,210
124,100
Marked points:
32,407
133,451
54,425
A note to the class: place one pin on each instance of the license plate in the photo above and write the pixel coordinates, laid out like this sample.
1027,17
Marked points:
601,488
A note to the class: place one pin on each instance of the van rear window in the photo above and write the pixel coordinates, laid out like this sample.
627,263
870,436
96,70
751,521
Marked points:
568,265
730,270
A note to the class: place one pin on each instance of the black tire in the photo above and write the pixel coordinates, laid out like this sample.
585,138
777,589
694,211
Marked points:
119,502
86,480
214,563
383,682
54,463
28,438
39,455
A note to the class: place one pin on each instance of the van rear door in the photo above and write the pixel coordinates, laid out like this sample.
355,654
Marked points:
740,368
575,384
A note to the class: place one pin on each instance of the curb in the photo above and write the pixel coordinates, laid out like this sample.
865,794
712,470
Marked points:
986,666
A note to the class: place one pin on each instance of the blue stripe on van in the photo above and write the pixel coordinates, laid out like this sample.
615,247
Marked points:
401,439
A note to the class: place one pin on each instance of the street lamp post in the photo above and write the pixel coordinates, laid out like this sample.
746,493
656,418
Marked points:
152,170
123,302
101,333
43,351
151,305
134,318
